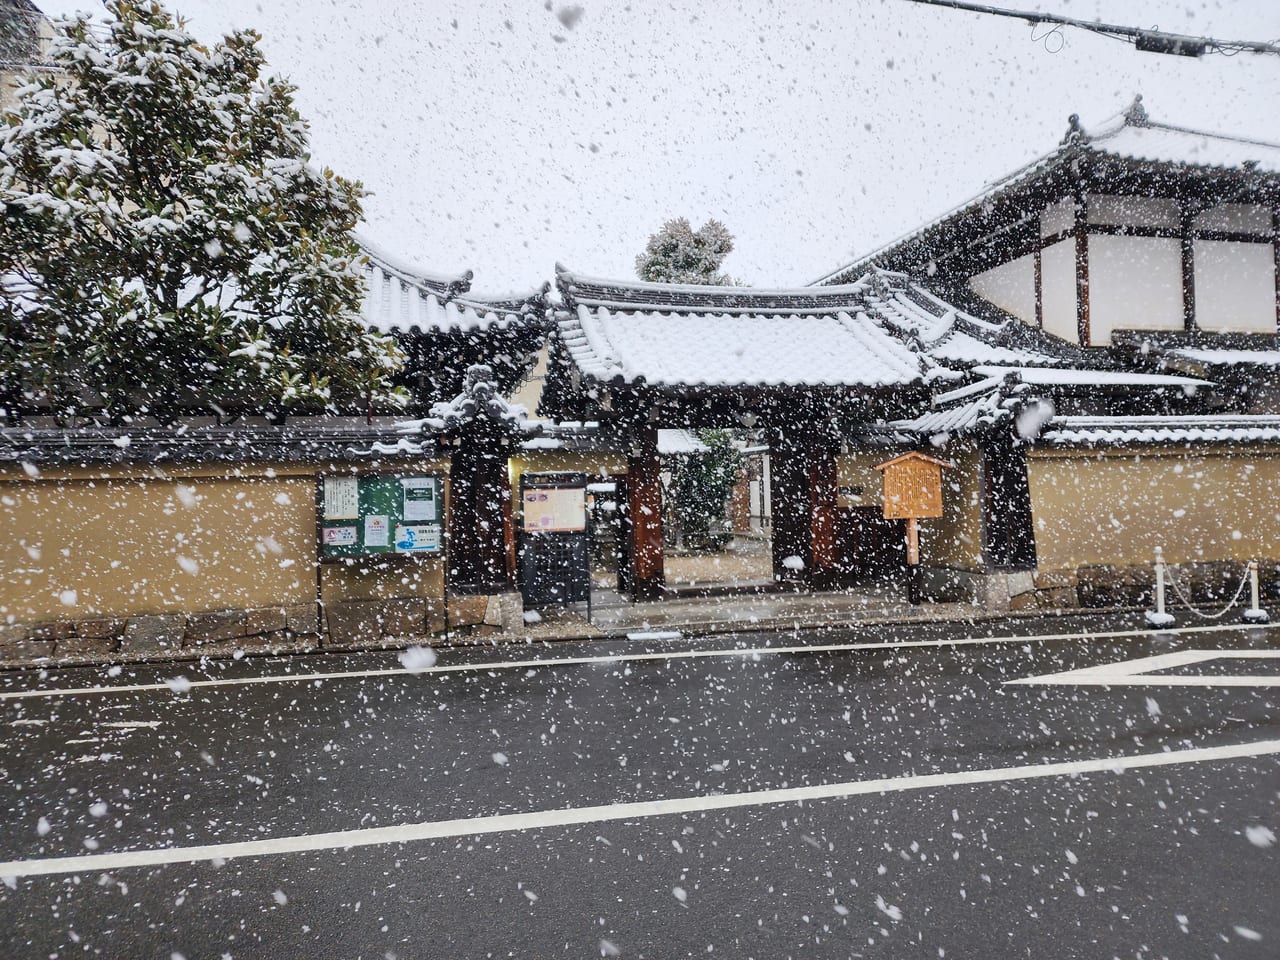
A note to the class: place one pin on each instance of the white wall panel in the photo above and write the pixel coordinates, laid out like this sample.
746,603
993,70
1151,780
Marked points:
1058,217
1235,218
1058,289
1235,286
1135,283
1010,286
1134,211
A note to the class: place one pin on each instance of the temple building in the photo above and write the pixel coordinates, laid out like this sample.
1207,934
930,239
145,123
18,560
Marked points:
1142,258
1086,353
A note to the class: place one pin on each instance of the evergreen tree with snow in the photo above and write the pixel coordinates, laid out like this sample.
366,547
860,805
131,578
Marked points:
679,254
166,242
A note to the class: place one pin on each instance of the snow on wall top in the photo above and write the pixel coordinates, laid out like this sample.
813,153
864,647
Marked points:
1261,358
672,442
1156,429
1091,378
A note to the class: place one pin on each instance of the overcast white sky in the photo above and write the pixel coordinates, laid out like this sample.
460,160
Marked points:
494,138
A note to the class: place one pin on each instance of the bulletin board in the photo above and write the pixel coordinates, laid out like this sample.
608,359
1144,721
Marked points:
554,509
381,514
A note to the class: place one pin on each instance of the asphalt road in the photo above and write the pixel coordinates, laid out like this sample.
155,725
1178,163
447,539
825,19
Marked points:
880,792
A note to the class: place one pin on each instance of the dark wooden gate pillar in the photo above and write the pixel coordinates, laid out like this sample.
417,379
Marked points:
824,492
1008,531
789,499
644,495
479,516
803,492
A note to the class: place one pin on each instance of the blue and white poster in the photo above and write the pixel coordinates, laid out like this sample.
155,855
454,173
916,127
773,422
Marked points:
417,538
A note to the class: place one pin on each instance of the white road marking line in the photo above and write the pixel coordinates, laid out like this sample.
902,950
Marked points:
573,816
1138,672
132,724
618,658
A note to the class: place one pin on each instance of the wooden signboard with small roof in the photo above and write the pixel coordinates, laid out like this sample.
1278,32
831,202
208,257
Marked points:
912,492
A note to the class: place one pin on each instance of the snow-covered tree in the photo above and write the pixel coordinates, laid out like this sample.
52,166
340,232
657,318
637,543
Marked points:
166,241
679,254
701,484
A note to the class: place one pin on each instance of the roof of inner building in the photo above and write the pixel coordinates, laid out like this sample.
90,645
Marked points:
1132,141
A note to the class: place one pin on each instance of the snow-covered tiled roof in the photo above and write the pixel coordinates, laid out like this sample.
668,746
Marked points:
963,349
1132,136
1229,358
403,298
1155,142
988,407
721,350
947,333
885,329
673,442
1078,377
1162,429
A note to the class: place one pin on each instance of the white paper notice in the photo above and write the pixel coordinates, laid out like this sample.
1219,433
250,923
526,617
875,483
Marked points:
376,531
339,536
341,498
420,502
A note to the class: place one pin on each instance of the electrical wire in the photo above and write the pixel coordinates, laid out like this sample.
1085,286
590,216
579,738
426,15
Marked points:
1148,40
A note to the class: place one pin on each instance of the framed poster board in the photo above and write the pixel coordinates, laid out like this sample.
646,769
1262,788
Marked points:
381,514
554,509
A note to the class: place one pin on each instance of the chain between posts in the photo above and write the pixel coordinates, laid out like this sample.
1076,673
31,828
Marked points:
1210,616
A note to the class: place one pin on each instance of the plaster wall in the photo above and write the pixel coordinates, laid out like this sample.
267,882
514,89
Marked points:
133,541
1117,506
1130,211
1135,283
1058,217
1058,289
1011,287
1235,218
1235,286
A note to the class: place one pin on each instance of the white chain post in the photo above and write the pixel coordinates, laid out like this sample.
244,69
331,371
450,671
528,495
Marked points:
1255,613
1158,617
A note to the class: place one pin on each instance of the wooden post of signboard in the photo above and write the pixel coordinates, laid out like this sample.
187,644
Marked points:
912,492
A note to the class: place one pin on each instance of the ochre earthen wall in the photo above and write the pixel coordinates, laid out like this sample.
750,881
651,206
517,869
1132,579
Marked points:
1116,506
130,541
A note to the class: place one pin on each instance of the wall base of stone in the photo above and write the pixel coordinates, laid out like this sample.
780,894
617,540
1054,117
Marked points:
344,625
1098,587
1011,590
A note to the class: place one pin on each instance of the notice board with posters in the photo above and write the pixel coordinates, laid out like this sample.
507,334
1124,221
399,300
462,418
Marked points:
555,554
554,509
381,514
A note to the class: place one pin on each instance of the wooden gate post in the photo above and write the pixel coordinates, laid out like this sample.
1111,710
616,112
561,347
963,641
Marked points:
644,495
824,492
479,521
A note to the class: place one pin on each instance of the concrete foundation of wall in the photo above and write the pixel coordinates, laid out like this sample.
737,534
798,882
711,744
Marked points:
295,628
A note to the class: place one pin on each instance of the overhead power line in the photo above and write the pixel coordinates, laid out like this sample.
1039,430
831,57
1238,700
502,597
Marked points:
1148,40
